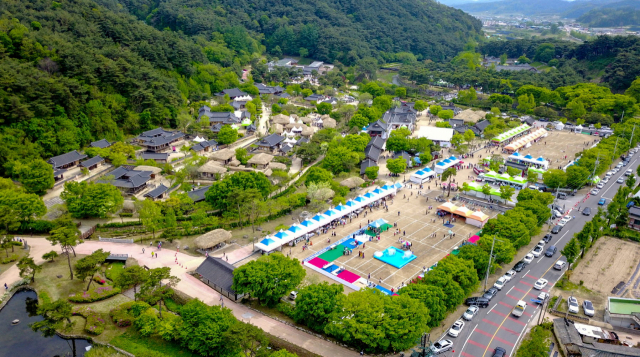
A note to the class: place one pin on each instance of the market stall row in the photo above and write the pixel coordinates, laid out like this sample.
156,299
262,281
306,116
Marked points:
522,129
526,140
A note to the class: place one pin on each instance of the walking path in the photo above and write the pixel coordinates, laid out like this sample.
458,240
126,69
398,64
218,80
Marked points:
190,286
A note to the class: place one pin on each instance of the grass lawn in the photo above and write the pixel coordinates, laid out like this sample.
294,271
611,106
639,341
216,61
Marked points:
17,251
113,270
386,76
131,341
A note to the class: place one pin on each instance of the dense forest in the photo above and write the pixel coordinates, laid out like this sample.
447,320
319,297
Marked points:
566,9
327,30
611,17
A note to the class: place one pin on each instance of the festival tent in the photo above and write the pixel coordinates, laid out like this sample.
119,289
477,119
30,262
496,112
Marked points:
511,133
445,164
421,176
199,139
378,223
342,209
398,186
370,195
474,239
448,207
352,203
281,235
268,244
463,212
478,219
309,224
320,218
330,213
378,191
296,229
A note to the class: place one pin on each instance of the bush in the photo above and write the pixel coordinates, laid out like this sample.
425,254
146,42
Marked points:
286,309
147,322
98,280
121,316
95,320
120,224
126,214
11,259
38,227
95,294
138,308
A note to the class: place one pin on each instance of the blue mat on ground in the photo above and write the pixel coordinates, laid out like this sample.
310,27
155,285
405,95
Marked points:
349,243
331,268
448,225
386,291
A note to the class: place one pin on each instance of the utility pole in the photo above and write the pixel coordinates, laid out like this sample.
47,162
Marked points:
631,138
489,265
593,175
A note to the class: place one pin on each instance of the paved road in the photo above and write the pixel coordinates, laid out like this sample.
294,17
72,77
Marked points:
495,326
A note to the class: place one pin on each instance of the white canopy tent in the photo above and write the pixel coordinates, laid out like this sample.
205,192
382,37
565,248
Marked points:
422,175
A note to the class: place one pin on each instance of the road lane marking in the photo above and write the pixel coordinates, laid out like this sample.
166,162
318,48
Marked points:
510,290
503,328
467,340
497,338
478,344
491,309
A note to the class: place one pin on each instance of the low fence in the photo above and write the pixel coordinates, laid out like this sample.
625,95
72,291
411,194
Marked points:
569,316
115,240
223,292
88,233
120,257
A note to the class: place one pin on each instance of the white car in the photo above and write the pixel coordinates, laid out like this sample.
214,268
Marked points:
605,180
543,296
619,165
587,306
537,251
528,258
566,218
509,275
457,327
540,284
615,171
574,308
441,346
470,313
600,185
499,284
595,191
518,310
620,180
541,243
628,173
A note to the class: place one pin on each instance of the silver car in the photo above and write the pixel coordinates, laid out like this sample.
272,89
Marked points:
574,308
587,306
470,313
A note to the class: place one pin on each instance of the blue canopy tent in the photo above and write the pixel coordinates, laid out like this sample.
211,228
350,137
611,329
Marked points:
281,235
294,229
319,217
360,199
378,191
340,208
307,223
378,223
351,203
267,241
369,195
330,213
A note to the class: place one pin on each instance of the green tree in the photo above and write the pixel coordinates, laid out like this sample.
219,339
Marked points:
554,178
479,257
372,172
268,278
449,174
536,344
88,266
523,60
91,200
420,105
469,136
358,121
631,181
435,109
401,92
634,90
318,174
308,152
324,108
445,114
67,238
315,304
433,299
243,339
203,327
28,268
503,250
242,155
54,314
503,59
218,193
158,286
571,251
227,135
486,190
150,215
340,159
36,176
50,256
577,176
133,276
398,140
506,192
396,166
526,103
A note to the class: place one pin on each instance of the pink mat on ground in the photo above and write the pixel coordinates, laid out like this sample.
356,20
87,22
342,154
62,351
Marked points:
317,262
474,239
348,276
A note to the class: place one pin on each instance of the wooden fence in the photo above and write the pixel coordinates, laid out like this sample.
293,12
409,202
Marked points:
115,240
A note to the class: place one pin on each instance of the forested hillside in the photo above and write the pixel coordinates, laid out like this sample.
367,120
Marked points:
611,17
328,30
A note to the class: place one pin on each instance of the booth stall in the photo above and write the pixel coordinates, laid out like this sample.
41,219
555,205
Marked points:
478,219
509,134
446,163
526,140
422,175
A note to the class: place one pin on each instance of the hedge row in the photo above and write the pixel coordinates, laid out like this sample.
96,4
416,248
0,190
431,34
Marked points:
96,294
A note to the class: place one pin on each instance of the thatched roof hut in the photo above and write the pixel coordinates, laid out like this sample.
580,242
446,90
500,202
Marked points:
281,119
352,182
277,128
328,123
212,167
223,155
213,238
155,170
307,132
307,120
260,159
278,166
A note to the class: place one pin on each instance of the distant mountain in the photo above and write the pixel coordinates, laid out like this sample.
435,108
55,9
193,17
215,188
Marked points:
611,17
571,9
459,2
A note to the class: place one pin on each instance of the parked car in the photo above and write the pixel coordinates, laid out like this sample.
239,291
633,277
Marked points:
456,328
551,251
499,284
537,251
528,258
566,219
470,313
478,301
547,238
540,284
586,211
602,201
519,266
559,265
499,352
605,180
619,165
509,275
490,293
587,306
620,180
595,191
557,214
441,346
293,295
562,196
628,173
574,308
541,243
518,310
556,229
600,185
543,296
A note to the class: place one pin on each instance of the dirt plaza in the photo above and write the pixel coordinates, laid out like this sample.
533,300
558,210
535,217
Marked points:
430,239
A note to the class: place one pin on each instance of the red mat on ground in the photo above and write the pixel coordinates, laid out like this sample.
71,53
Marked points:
348,276
317,262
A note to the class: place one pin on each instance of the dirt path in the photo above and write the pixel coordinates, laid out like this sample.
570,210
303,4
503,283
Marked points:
38,247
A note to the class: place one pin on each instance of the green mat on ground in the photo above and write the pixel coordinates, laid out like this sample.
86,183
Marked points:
385,226
370,233
331,255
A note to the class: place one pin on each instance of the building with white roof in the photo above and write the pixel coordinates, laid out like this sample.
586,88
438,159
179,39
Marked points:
439,136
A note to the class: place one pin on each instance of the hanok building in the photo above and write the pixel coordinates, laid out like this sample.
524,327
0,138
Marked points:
581,340
67,160
205,146
93,163
212,170
263,89
379,128
400,117
271,143
158,193
159,157
158,140
260,161
128,180
197,194
481,125
233,93
223,156
224,118
374,148
218,274
634,218
101,144
366,163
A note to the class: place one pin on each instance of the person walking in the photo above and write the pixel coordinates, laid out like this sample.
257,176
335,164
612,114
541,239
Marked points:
142,250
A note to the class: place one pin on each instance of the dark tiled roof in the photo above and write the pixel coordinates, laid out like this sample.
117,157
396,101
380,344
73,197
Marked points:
102,144
271,140
372,152
203,145
515,165
456,122
481,125
154,156
66,159
216,128
58,172
197,195
378,125
156,192
302,140
252,127
233,92
125,177
286,148
634,211
159,137
218,272
92,161
284,95
366,163
377,142
314,97
153,132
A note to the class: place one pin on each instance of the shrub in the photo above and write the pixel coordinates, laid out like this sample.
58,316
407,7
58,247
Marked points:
126,214
11,259
37,227
95,320
95,294
147,322
98,280
120,225
121,316
138,308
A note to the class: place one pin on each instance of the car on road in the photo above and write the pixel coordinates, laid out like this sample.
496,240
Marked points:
547,238
605,180
602,201
559,265
608,174
518,310
556,214
537,251
456,328
574,308
551,251
600,185
566,219
619,165
541,243
528,258
478,301
562,223
625,163
615,171
490,293
509,275
543,296
540,284
470,313
441,346
499,352
499,284
628,173
519,266
562,196
587,306
556,229
620,180
586,211
595,191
